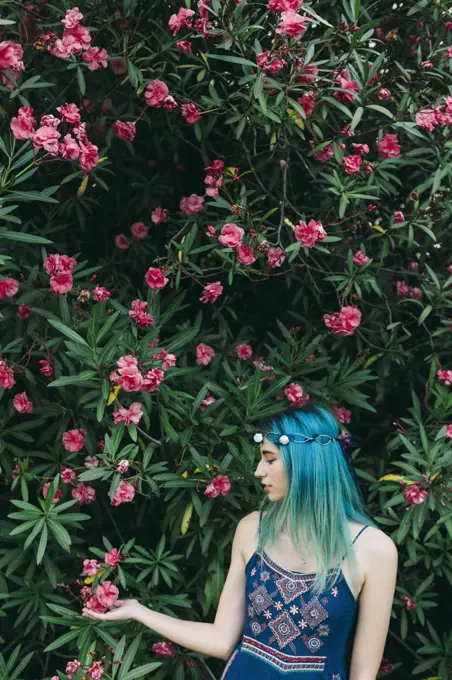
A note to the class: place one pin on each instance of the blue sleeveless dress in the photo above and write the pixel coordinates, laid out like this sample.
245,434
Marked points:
288,633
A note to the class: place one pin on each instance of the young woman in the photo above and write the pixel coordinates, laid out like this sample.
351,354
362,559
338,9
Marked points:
310,587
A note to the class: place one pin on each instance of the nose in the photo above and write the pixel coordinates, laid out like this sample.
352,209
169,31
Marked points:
258,472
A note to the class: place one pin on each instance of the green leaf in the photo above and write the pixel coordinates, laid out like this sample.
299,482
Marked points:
60,534
42,544
68,332
73,379
59,642
81,81
106,327
233,60
380,109
23,237
356,117
142,670
424,314
28,197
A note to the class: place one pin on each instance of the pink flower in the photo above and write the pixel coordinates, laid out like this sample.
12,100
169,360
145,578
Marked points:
69,148
72,17
124,493
139,230
245,255
410,603
360,258
57,495
155,93
415,293
295,393
22,404
68,475
69,112
49,120
6,376
152,379
352,163
204,354
23,312
360,148
211,292
191,113
123,466
343,414
125,131
91,462
414,495
244,351
155,278
383,93
343,81
308,73
74,440
61,283
89,156
90,567
284,5
118,65
130,415
139,312
427,119
159,215
22,127
46,368
388,146
122,242
100,294
59,264
292,25
231,235
107,594
399,217
184,45
182,18
10,55
275,257
84,493
74,40
96,58
112,557
345,322
96,671
324,154
219,484
192,204
207,402
163,649
72,668
46,138
309,234
8,287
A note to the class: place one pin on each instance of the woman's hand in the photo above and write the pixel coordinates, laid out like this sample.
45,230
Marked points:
124,610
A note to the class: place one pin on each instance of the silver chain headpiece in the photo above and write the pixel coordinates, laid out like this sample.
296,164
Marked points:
323,439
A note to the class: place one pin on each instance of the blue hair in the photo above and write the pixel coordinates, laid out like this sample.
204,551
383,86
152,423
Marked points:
323,495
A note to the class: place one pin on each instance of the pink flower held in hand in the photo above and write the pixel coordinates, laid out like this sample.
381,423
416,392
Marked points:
22,404
345,322
57,495
155,93
211,292
219,484
155,278
163,649
112,557
125,131
84,494
204,354
90,567
244,351
107,594
122,242
8,287
191,113
192,204
124,493
292,25
231,235
74,440
130,415
139,230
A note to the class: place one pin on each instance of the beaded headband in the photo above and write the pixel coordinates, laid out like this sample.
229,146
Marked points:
323,439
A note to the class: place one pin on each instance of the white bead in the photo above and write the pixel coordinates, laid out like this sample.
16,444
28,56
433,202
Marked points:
258,437
284,439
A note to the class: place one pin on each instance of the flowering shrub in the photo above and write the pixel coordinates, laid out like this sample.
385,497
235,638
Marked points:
226,209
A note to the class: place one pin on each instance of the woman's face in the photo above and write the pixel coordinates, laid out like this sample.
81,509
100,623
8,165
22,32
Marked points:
270,471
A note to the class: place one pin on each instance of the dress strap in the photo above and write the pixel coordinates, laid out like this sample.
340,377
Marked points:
260,516
360,532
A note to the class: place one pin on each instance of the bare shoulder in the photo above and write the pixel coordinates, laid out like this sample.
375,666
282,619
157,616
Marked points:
377,550
246,534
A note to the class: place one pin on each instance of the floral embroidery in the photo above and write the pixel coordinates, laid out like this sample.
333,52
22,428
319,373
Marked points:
283,662
314,613
294,609
253,571
284,629
302,624
261,599
265,576
313,643
268,614
279,605
334,593
290,589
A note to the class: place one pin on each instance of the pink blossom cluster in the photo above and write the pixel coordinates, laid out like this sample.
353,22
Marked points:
343,80
46,368
59,268
130,415
190,205
11,54
139,231
404,290
48,137
125,131
7,379
311,233
168,360
307,102
360,258
185,18
22,404
244,351
308,73
415,495
231,236
77,39
104,598
209,399
139,312
204,354
8,287
159,215
292,24
429,119
445,375
155,278
296,395
211,292
343,414
345,322
268,62
84,493
125,493
100,293
219,484
157,96
410,603
163,649
214,177
130,378
74,440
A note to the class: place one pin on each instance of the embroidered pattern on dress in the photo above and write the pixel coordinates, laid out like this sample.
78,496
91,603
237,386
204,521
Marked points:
261,599
284,629
336,676
314,613
229,663
283,662
290,589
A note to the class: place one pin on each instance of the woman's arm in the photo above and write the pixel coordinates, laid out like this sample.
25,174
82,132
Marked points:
216,639
375,605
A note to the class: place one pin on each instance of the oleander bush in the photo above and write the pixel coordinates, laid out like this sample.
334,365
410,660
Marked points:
212,212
